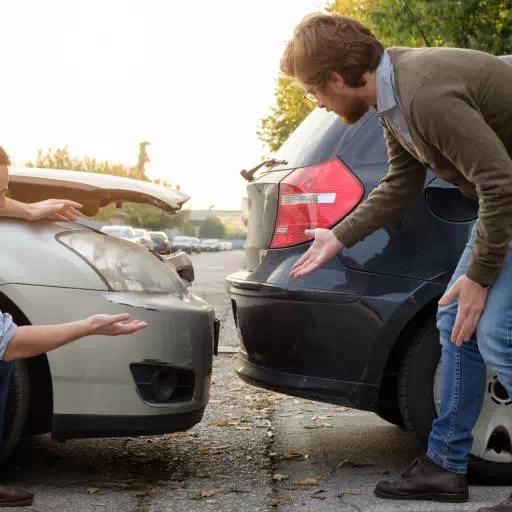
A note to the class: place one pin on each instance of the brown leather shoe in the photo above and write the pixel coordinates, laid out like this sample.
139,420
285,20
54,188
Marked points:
425,480
504,506
10,497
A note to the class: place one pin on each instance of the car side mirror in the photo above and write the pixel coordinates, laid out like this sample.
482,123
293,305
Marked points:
446,201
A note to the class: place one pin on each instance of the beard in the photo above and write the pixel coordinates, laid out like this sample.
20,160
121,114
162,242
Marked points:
353,110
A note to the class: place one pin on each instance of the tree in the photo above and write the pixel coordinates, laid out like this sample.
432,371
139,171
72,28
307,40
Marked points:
286,115
478,24
212,227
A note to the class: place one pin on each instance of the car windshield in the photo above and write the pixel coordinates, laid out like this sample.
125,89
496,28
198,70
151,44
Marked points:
181,239
157,237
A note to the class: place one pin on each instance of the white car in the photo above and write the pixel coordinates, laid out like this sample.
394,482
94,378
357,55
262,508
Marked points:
123,232
151,382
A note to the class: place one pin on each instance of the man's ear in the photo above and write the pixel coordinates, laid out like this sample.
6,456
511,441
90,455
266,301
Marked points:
337,80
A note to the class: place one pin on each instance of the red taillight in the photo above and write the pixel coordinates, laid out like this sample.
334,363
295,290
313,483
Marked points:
318,196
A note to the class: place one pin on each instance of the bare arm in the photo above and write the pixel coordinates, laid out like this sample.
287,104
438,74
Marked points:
31,340
56,209
402,184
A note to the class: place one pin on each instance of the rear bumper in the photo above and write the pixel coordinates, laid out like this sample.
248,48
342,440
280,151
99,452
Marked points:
350,394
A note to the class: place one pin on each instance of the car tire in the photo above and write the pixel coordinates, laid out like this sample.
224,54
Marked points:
416,399
393,416
16,411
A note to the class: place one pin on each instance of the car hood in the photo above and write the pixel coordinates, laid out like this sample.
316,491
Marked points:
93,190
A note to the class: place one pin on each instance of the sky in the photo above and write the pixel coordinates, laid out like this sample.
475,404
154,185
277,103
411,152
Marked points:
194,78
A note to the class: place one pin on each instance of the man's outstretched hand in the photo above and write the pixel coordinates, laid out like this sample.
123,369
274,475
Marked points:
113,325
325,246
54,209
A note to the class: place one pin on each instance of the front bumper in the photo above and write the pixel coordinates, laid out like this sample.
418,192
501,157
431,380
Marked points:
72,426
92,378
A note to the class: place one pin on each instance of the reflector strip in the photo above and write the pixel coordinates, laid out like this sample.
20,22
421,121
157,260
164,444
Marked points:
310,198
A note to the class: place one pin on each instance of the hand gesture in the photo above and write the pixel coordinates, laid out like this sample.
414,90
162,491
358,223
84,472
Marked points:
325,247
472,297
113,325
55,209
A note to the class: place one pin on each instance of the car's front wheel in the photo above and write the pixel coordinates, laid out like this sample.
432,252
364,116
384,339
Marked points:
17,407
420,395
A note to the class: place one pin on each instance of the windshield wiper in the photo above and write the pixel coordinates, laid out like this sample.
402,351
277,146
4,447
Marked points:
249,175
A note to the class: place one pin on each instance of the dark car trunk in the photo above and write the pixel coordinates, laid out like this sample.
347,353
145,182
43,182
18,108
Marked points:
319,138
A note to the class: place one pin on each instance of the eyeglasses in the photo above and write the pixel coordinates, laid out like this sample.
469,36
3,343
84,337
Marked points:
308,95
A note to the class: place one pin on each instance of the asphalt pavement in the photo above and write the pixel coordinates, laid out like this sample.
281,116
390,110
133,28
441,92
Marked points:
254,450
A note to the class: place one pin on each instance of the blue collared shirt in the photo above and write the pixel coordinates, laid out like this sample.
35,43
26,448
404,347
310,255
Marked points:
7,330
388,103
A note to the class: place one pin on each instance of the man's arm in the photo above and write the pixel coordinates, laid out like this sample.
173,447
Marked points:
402,184
56,209
462,135
29,341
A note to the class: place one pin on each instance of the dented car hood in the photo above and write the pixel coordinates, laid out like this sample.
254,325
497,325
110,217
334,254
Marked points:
93,190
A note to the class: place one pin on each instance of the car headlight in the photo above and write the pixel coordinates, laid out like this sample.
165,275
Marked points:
125,266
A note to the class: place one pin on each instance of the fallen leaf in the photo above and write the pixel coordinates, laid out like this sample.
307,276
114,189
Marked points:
325,417
294,456
220,423
349,464
141,494
279,477
263,403
208,494
92,490
327,425
203,449
115,485
307,482
319,497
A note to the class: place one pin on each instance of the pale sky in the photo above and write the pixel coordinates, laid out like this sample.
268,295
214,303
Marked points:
192,77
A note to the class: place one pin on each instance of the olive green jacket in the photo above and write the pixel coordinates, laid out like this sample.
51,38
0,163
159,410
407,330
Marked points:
458,107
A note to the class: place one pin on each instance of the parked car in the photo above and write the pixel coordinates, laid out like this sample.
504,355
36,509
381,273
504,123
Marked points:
161,242
360,331
210,245
226,246
144,239
151,382
182,243
123,232
196,245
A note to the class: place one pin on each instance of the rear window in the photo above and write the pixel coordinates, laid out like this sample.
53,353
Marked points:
318,138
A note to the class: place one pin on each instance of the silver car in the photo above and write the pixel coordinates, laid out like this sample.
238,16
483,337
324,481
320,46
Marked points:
151,382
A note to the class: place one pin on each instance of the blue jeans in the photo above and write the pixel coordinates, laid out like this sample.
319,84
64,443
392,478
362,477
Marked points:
5,380
464,369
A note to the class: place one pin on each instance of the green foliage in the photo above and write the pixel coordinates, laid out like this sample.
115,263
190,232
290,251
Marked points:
62,159
212,228
478,24
290,109
189,228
